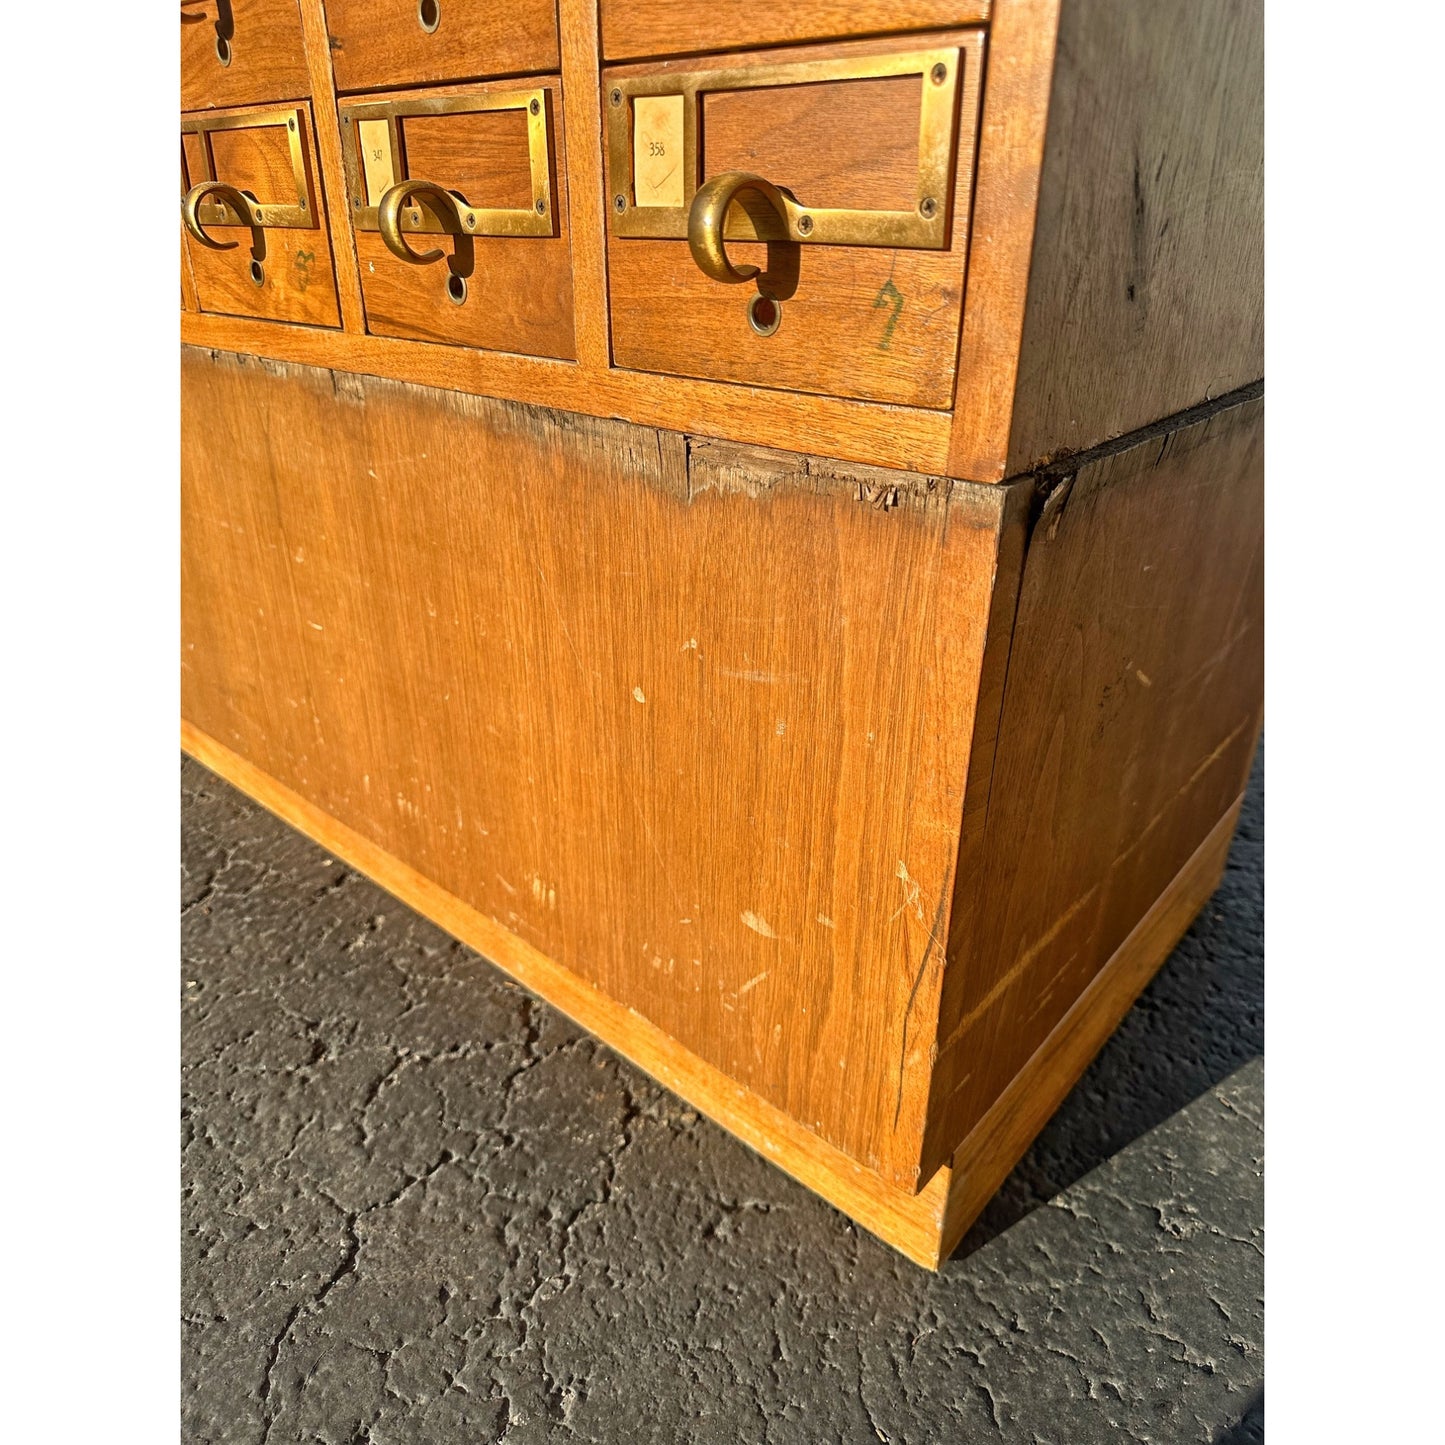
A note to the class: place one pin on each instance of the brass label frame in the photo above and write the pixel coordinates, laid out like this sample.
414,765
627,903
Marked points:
302,216
538,219
924,227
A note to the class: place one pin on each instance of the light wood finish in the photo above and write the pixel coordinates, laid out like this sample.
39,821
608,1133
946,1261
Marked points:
267,60
258,159
333,177
638,29
1132,706
911,1223
1050,360
519,288
377,44
996,1143
1146,293
849,144
691,719
892,436
299,283
582,106
189,300
876,323
925,1227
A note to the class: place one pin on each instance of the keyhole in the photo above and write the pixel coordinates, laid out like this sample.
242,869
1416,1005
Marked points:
258,273
457,288
225,29
765,314
429,14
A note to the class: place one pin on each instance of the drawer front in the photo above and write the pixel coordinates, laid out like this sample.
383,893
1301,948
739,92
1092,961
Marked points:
377,43
634,29
274,261
459,204
795,219
241,52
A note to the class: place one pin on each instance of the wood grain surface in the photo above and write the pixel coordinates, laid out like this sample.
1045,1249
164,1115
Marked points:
1146,294
267,61
1131,708
327,129
870,322
634,29
377,44
299,282
1000,1139
912,1223
690,719
519,294
1143,297
893,436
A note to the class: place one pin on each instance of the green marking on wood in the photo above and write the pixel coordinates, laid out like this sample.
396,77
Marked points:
888,295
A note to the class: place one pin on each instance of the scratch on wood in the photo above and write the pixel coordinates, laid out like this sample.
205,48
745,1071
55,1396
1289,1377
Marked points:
912,995
757,923
1020,964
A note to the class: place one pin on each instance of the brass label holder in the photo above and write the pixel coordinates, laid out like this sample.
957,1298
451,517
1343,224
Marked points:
380,123
298,216
923,227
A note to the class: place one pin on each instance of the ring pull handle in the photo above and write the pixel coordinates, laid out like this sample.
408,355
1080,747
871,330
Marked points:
708,213
244,207
388,217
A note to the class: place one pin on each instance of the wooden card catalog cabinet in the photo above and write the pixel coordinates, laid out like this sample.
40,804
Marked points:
241,52
822,652
796,218
255,237
460,217
377,43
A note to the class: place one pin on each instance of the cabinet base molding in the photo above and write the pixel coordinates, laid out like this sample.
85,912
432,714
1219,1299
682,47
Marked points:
925,1227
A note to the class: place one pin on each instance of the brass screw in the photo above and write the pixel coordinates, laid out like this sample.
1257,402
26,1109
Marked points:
541,208
303,203
616,97
471,222
928,208
291,123
939,73
805,225
619,204
535,107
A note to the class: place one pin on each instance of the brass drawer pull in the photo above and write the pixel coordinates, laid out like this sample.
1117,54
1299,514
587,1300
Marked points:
670,211
446,204
247,211
373,150
232,206
708,213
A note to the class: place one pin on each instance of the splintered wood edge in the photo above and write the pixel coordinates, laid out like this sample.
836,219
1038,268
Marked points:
911,1224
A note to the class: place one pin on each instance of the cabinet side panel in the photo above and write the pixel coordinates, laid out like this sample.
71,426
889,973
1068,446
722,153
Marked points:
1146,293
1132,704
690,720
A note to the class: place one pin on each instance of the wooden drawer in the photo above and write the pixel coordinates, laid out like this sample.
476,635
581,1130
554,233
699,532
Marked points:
377,43
241,52
633,29
477,178
275,262
862,248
